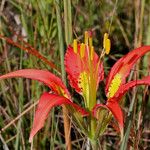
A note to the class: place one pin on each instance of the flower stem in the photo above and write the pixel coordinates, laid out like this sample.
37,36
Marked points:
94,144
68,21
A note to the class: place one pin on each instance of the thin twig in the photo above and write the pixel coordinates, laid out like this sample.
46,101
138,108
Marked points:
18,117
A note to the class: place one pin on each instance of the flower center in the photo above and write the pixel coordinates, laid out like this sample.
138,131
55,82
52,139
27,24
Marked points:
114,86
84,85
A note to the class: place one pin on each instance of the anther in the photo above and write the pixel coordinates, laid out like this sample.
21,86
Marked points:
82,50
91,53
86,37
106,43
107,46
104,39
75,45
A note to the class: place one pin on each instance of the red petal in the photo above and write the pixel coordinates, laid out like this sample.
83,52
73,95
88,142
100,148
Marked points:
124,65
46,77
125,87
46,103
117,113
115,110
75,65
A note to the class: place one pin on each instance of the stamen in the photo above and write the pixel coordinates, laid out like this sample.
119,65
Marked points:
82,50
106,43
90,38
92,53
75,45
86,37
104,40
107,46
90,42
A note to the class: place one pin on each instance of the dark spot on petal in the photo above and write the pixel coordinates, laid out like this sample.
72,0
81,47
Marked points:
132,59
121,65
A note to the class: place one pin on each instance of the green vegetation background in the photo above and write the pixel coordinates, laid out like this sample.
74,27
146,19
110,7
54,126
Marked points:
128,24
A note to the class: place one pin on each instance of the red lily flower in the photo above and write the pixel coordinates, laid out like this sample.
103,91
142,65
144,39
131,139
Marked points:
85,71
57,96
116,85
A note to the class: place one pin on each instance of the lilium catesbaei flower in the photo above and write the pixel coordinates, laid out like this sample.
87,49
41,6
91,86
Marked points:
85,71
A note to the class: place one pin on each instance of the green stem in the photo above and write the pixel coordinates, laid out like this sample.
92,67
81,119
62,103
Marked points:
128,124
20,105
92,128
94,144
141,22
68,38
67,125
68,21
60,39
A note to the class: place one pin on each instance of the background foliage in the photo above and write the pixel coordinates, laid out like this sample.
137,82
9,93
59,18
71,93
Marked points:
128,24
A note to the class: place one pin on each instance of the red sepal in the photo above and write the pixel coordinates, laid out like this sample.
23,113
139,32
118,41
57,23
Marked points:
49,79
124,65
46,103
116,111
